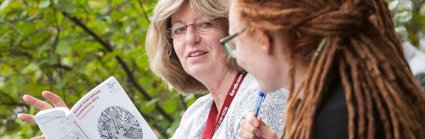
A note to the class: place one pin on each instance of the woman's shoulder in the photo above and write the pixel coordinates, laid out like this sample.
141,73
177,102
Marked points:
201,104
197,110
193,119
332,116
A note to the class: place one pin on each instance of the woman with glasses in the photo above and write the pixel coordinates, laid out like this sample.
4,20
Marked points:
183,48
341,61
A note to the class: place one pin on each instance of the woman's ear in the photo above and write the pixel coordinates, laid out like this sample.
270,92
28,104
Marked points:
266,42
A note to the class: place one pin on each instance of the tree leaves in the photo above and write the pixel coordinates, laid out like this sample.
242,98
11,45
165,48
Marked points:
42,49
44,4
63,48
409,21
66,6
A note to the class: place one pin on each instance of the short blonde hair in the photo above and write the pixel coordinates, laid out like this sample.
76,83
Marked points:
162,58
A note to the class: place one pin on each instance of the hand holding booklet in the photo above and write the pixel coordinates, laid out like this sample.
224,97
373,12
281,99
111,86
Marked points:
103,113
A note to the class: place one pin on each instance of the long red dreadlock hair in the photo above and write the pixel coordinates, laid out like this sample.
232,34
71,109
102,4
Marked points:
360,45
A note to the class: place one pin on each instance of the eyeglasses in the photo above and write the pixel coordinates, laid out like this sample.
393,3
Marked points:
176,32
229,43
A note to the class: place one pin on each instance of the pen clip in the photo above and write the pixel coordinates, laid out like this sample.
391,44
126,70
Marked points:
261,97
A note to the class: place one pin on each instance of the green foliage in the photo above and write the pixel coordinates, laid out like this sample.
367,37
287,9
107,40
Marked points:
409,18
42,47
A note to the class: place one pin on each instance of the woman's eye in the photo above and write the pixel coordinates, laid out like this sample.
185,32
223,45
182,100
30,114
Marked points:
180,30
205,25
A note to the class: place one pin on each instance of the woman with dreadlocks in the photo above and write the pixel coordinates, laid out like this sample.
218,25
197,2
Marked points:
341,61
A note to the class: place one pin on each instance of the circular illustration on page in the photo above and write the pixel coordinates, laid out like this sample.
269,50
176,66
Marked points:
116,122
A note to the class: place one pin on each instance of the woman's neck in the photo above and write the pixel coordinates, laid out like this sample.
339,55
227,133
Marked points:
218,85
277,76
271,80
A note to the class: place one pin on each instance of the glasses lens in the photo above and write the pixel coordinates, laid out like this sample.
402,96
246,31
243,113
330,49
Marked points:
205,25
232,47
229,44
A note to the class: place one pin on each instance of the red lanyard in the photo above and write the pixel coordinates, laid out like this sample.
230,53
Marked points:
212,124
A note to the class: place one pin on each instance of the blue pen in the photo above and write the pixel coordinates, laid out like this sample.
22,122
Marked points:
261,97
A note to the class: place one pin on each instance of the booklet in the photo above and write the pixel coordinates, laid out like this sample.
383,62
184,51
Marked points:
106,112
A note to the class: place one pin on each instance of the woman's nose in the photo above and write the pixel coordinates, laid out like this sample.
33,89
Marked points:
192,37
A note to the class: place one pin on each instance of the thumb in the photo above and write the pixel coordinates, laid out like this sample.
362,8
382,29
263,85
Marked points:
260,127
260,121
265,131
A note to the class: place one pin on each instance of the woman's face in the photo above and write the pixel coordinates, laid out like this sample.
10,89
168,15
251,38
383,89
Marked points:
196,41
250,53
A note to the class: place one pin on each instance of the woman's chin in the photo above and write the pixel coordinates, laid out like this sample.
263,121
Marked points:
268,89
242,63
196,71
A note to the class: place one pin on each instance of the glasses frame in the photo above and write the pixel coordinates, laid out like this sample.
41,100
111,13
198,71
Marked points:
227,39
169,30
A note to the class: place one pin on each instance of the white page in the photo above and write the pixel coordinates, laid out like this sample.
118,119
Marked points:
55,125
107,111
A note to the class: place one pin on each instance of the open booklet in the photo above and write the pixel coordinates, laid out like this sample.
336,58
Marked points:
106,112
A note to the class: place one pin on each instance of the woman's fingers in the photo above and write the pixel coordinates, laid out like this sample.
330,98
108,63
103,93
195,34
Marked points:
248,127
254,127
252,120
42,105
35,102
26,117
245,134
55,99
264,131
30,100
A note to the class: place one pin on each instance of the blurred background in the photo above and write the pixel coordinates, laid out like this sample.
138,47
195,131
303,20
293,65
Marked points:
70,46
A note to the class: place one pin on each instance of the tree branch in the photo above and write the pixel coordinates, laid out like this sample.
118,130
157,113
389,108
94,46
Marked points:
77,21
123,64
147,117
144,11
66,68
11,102
56,40
182,101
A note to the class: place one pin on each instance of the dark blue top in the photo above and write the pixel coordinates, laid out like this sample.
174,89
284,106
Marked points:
331,121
